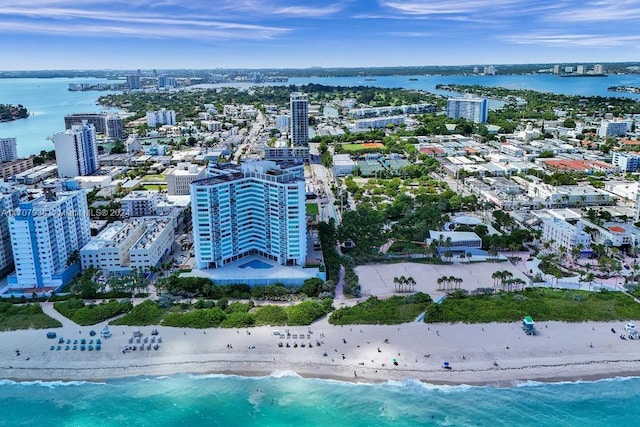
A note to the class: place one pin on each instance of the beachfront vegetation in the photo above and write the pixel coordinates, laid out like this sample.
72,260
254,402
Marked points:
90,314
374,311
27,316
239,315
209,314
143,314
542,304
198,287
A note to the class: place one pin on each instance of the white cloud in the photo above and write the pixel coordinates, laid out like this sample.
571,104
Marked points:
302,11
600,11
571,40
447,7
410,34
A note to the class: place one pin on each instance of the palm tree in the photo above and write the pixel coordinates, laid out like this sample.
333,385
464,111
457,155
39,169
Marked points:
497,277
439,282
411,283
452,280
469,256
448,255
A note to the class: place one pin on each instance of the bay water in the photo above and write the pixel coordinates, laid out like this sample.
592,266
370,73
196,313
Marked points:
49,100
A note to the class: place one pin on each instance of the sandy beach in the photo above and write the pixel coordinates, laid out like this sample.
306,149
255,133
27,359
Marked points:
497,354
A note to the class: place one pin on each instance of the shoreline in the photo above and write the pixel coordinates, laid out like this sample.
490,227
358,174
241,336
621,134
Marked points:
494,355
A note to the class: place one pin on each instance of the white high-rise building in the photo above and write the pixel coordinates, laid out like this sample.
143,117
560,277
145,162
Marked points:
472,109
299,105
8,151
161,117
76,151
253,208
9,199
45,232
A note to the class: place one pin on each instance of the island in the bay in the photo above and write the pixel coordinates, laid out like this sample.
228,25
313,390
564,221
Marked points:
12,112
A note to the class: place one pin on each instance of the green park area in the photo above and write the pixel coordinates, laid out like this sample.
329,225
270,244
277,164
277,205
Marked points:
354,148
312,209
155,178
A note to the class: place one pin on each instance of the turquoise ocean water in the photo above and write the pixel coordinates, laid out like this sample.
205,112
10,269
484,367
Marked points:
49,100
289,400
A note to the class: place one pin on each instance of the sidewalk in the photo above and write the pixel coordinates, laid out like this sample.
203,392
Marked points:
48,309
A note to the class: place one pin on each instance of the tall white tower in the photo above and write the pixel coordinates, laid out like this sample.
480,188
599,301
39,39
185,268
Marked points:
299,103
76,151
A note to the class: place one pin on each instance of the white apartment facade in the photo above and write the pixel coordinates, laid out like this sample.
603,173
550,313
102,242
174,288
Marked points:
562,233
154,244
44,234
138,243
140,203
472,109
76,151
161,117
179,180
8,149
9,199
254,208
109,250
378,122
626,161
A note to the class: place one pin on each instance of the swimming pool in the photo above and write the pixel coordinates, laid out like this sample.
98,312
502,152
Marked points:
256,264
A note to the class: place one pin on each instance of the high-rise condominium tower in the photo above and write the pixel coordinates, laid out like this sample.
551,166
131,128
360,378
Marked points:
299,105
76,151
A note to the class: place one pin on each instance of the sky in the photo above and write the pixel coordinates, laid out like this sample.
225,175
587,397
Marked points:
175,34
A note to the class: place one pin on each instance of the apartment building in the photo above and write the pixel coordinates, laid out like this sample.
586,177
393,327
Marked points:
253,208
472,109
76,151
140,203
179,180
45,232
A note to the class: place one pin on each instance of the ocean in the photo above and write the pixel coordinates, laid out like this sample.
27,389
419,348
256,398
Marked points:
49,100
288,400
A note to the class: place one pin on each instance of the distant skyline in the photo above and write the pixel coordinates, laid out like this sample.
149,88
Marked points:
173,34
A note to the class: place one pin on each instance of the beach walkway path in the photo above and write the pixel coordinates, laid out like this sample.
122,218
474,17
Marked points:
48,309
339,293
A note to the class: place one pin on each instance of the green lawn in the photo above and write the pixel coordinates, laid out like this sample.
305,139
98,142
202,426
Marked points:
540,303
156,187
359,147
155,178
312,209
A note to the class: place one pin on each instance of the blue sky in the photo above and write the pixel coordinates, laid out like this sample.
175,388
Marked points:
129,34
